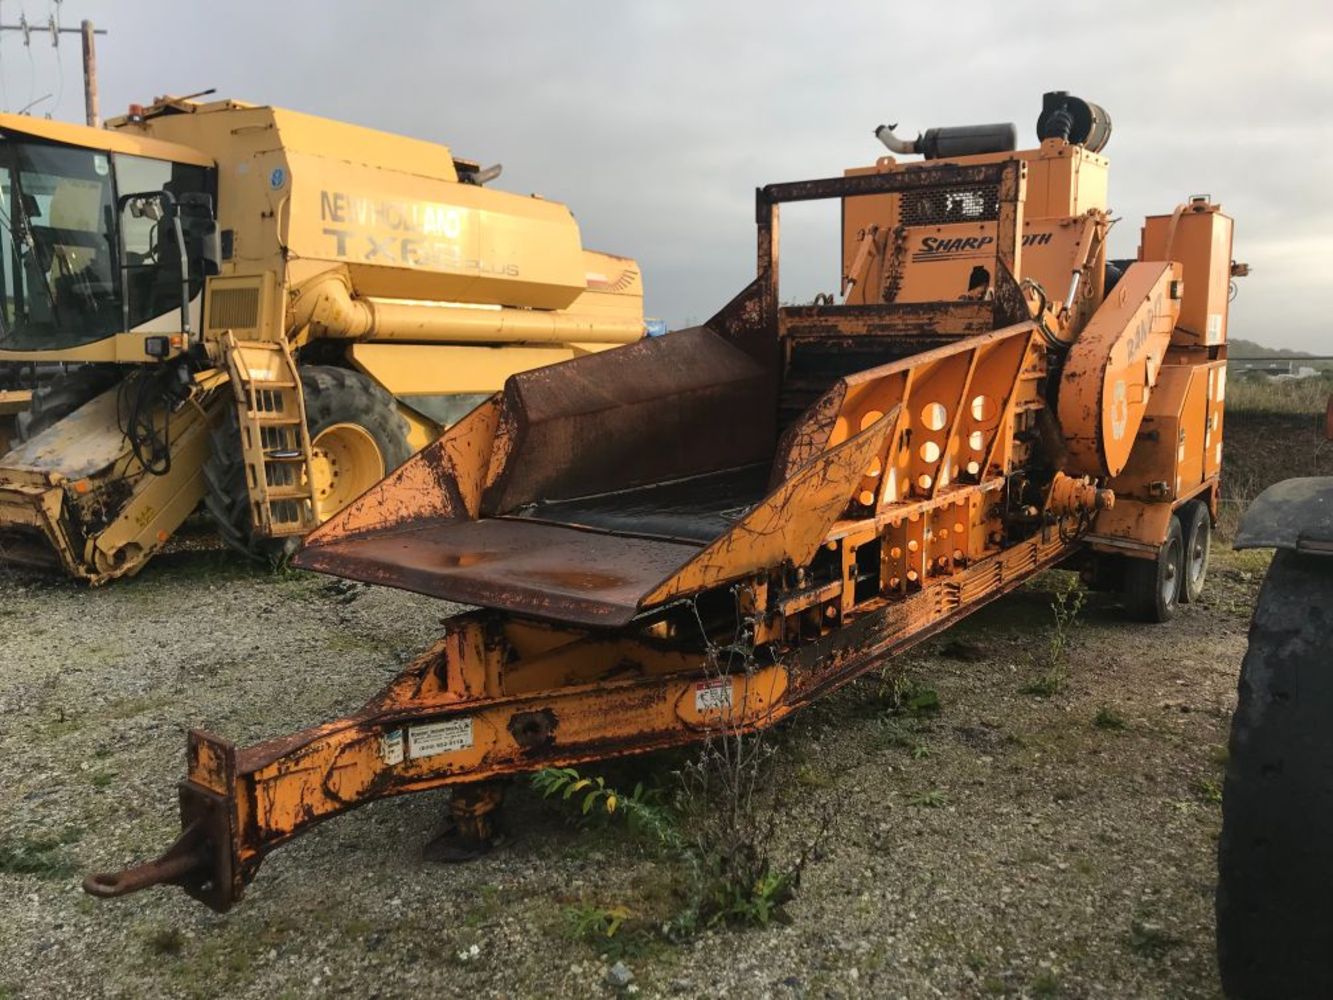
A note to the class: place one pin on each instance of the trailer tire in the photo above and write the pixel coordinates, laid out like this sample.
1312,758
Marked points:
1275,866
1197,527
340,405
1153,586
56,399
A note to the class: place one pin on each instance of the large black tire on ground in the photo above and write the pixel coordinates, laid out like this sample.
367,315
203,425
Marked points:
1275,857
332,396
1152,586
56,399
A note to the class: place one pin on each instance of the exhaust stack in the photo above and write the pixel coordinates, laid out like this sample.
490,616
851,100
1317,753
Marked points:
946,143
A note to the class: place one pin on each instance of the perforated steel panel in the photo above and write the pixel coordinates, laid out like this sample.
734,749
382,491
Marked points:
944,205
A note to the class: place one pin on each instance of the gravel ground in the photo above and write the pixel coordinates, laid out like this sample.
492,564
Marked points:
1061,857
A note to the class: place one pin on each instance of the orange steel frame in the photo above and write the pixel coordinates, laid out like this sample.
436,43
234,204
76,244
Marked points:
925,448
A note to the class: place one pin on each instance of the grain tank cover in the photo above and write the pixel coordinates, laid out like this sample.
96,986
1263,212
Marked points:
312,193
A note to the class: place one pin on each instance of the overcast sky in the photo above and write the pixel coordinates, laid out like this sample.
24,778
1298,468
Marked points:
656,121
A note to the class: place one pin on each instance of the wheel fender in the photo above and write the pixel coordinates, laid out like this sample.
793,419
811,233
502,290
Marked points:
1295,514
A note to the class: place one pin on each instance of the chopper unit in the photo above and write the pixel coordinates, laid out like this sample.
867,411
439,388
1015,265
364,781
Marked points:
716,527
259,309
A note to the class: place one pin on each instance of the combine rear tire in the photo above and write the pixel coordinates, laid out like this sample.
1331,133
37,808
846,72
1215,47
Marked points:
1152,586
1197,525
57,399
356,435
1275,856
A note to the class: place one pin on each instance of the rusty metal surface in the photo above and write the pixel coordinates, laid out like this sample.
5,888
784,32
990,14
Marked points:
643,413
527,567
695,510
287,785
914,177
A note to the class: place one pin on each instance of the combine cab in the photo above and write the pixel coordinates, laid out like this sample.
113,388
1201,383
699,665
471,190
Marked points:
843,480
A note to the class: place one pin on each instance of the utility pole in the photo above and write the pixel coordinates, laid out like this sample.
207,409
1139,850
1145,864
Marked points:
85,29
90,74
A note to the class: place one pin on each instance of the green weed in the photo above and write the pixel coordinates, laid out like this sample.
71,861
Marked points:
40,856
1108,718
1150,940
932,799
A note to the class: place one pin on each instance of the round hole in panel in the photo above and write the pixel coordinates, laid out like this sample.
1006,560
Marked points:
958,555
869,417
911,575
866,497
984,410
973,468
876,467
912,545
976,440
894,581
958,527
934,416
930,452
896,552
924,481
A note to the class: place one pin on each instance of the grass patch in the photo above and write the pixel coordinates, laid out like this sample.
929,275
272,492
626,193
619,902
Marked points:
932,799
891,732
1260,394
1052,662
1045,986
1108,718
1208,790
898,694
1149,940
40,856
615,932
809,776
166,941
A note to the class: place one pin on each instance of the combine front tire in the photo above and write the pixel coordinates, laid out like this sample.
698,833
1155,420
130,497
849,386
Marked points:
1275,856
1152,586
356,437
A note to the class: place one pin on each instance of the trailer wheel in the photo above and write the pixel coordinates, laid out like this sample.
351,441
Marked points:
1275,865
356,436
1152,586
1197,526
57,399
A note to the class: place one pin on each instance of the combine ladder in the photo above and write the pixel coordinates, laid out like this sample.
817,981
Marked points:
275,444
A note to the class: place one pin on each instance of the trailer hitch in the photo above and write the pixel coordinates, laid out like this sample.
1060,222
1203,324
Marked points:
203,860
181,862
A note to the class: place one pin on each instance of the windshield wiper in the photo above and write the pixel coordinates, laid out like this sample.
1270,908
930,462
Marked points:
21,212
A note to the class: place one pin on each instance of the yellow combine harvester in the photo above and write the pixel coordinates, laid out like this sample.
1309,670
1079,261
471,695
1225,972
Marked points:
267,311
776,501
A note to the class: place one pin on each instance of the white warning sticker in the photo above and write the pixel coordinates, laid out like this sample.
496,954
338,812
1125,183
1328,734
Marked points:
391,746
1214,335
439,737
711,696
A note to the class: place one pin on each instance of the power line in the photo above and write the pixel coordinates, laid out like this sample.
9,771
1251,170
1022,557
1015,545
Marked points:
53,26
